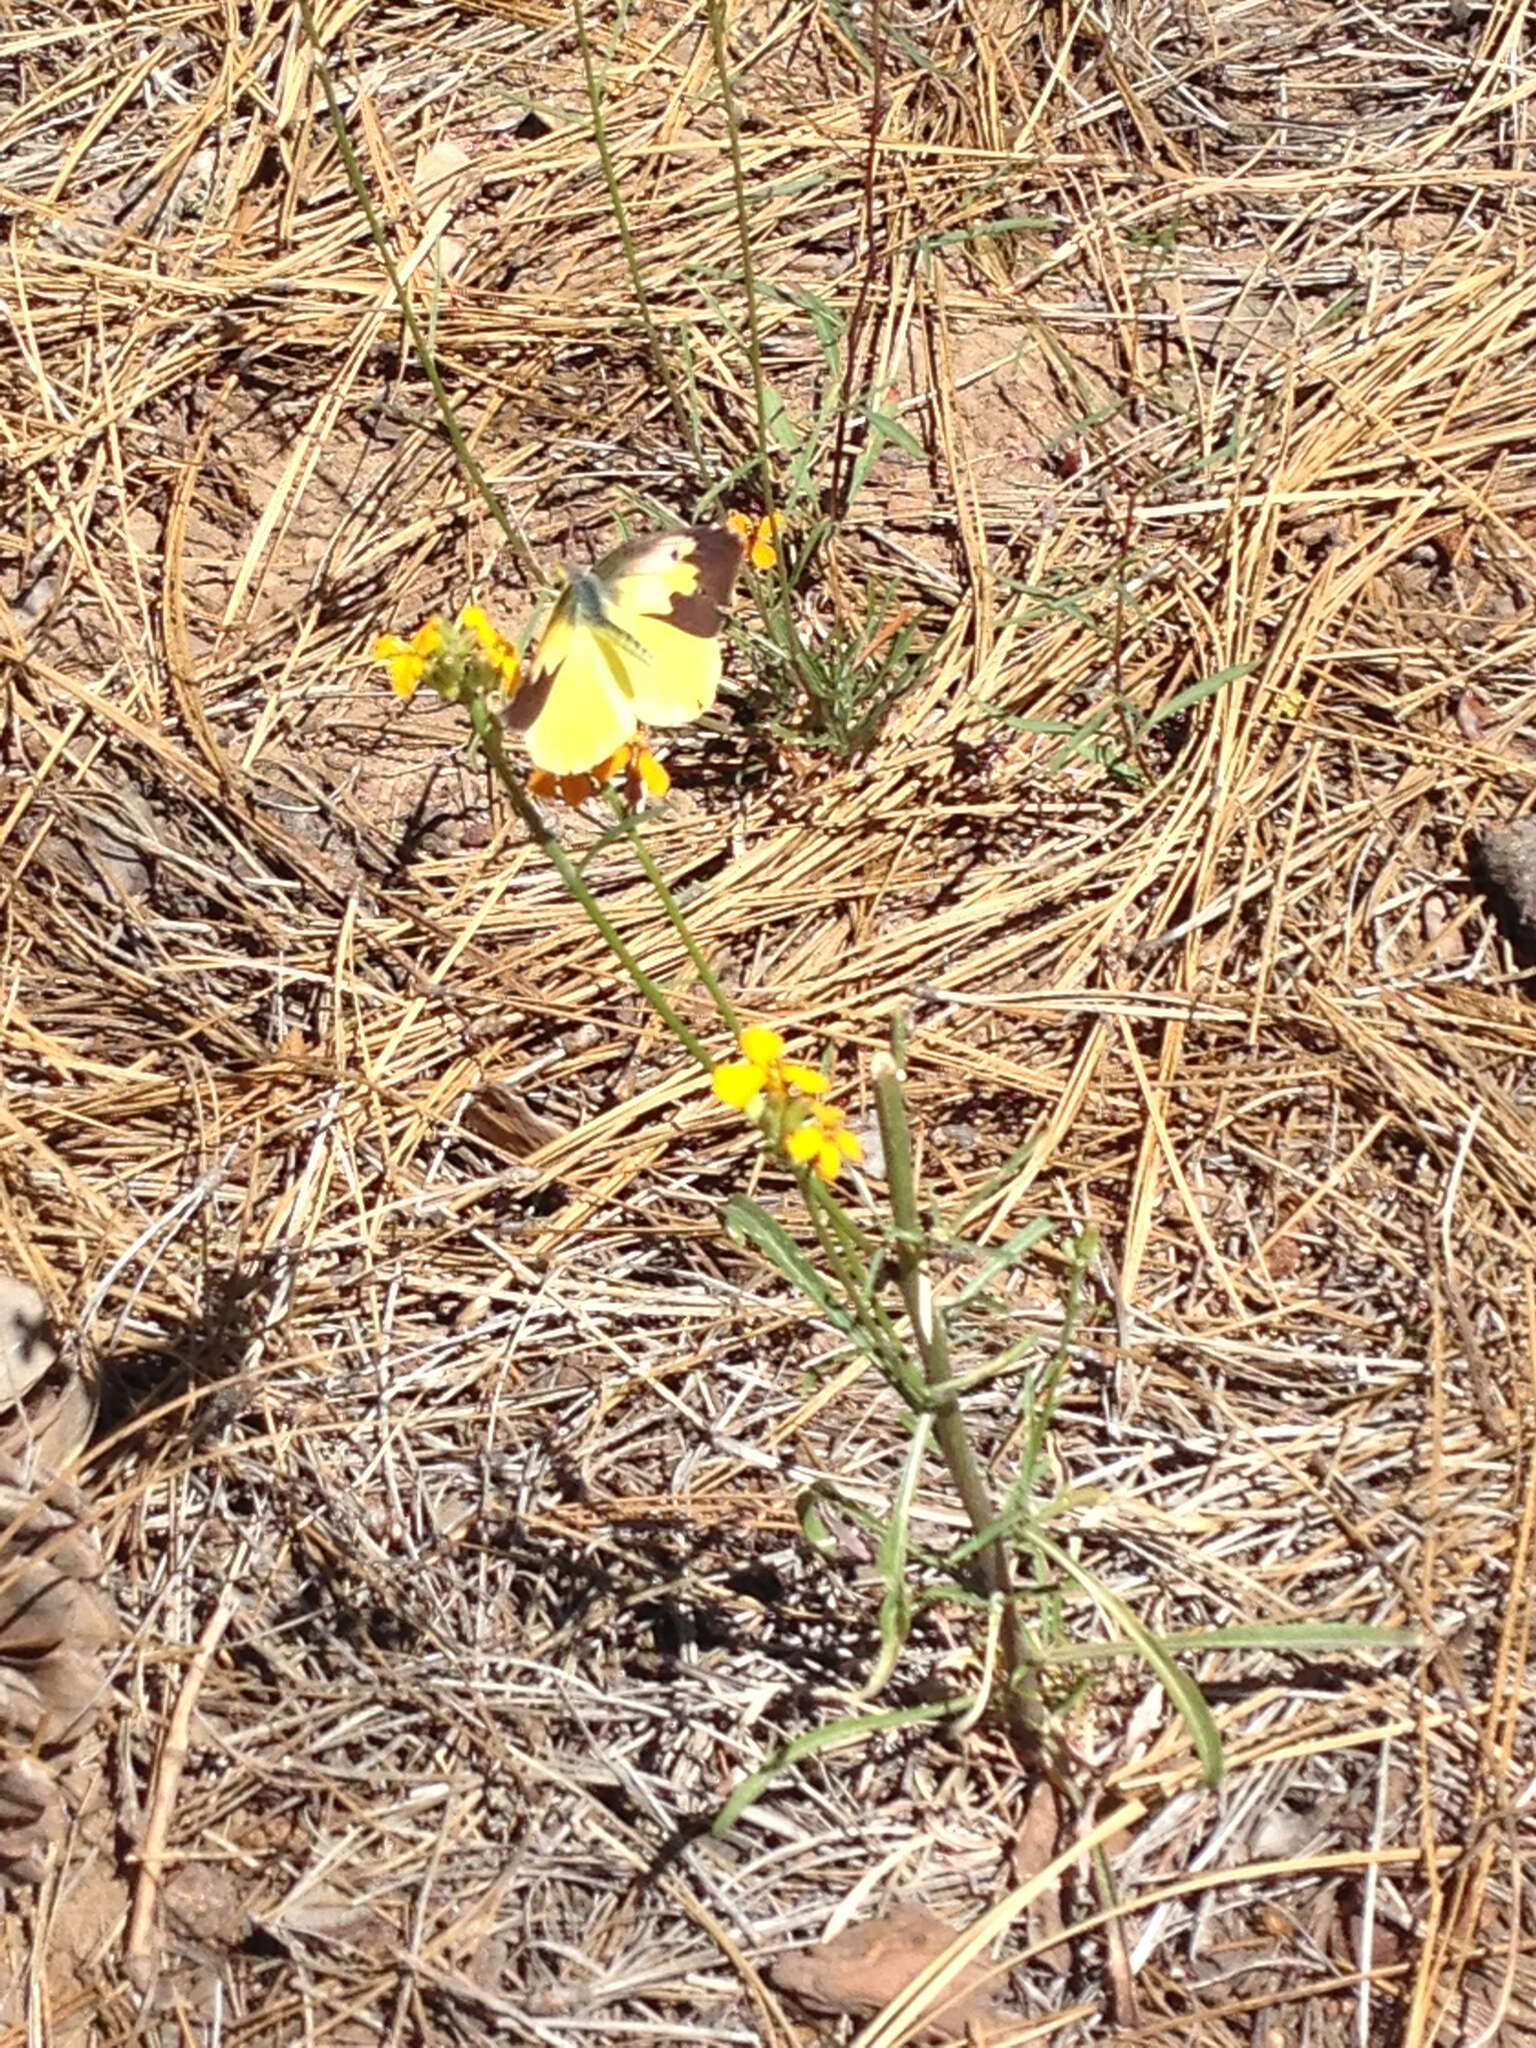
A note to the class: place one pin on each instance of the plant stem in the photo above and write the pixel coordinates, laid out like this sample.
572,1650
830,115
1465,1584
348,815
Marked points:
844,1252
856,318
488,732
675,918
716,11
516,539
931,1337
626,237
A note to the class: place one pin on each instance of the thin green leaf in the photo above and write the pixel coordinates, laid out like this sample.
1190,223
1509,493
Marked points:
777,420
746,1222
984,230
1183,1693
1002,1259
836,1735
896,1603
1198,692
1309,1637
889,428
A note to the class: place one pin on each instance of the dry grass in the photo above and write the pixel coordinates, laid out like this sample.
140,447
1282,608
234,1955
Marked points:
486,1434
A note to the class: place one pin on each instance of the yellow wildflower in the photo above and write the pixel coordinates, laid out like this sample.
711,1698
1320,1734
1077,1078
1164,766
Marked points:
469,660
758,536
763,1070
499,652
407,660
779,1096
644,776
824,1141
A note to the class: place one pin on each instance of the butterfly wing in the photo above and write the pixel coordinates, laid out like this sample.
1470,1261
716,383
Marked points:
573,708
663,596
636,640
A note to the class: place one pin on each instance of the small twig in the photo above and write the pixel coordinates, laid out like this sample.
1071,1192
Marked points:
1479,1375
139,1953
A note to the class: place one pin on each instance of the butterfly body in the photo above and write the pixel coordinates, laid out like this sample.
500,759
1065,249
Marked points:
632,641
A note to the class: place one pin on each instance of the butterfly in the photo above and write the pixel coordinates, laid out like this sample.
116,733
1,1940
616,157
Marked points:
634,641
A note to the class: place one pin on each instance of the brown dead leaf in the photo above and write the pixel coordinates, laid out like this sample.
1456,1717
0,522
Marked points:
47,1409
1390,1943
1282,1256
862,1969
32,1819
443,179
503,1119
26,1343
326,1910
1475,715
1483,725
1509,852
1443,938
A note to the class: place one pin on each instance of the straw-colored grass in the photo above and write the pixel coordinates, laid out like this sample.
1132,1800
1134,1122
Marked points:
450,1453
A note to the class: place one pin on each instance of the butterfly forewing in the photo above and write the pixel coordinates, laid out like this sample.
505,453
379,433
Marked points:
633,641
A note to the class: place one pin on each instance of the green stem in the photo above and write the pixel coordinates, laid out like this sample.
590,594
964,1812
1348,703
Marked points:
844,1250
800,663
931,1338
488,732
516,539
744,232
675,918
626,237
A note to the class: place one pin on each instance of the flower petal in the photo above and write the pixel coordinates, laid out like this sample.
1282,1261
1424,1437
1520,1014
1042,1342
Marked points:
763,553
498,650
809,1080
738,1083
805,1143
651,773
762,1046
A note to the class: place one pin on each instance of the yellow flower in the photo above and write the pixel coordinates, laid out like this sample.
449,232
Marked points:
779,1096
464,662
824,1141
499,652
758,537
642,774
763,1070
407,660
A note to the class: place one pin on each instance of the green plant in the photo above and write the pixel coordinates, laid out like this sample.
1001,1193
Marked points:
834,694
871,1267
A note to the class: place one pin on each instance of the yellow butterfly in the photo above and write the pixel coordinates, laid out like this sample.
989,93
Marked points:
634,641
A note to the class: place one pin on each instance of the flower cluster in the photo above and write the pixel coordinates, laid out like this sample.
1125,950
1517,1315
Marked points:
782,1097
634,765
758,536
468,660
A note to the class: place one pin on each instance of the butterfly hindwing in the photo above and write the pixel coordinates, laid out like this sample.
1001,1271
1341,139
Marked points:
571,708
633,641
